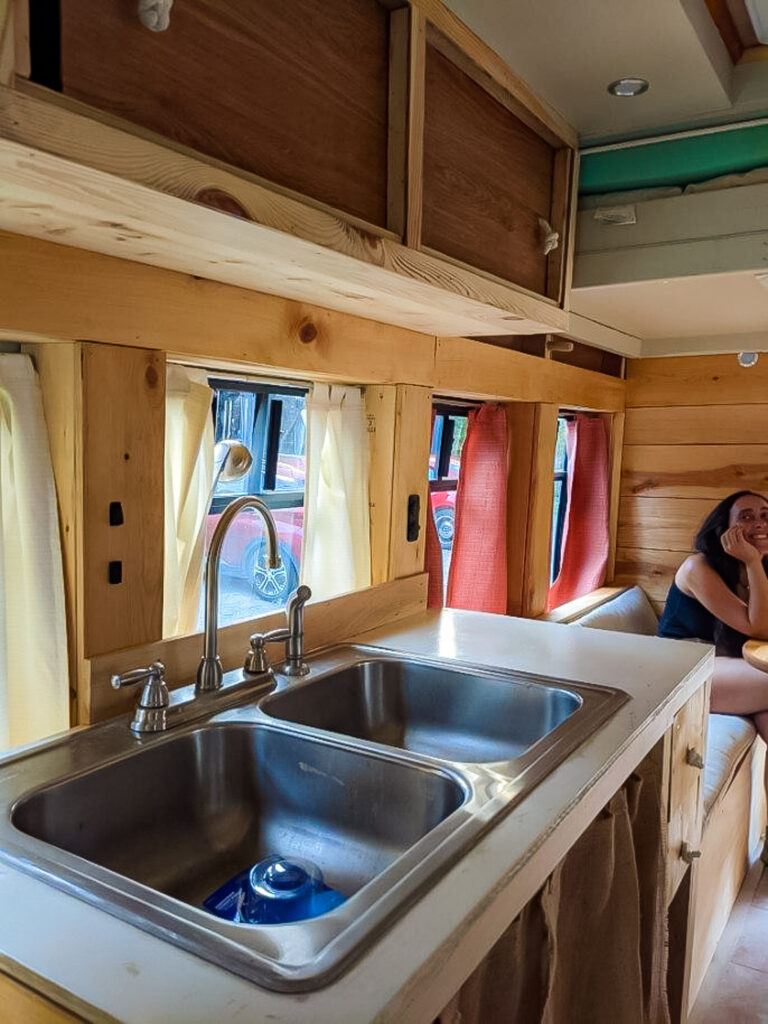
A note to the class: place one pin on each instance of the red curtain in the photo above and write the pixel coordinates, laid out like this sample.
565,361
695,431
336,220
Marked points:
585,536
477,579
433,558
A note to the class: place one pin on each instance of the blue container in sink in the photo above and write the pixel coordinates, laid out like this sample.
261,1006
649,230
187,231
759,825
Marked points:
277,890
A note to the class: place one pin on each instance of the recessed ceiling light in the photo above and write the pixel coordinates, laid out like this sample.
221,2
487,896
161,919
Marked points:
628,87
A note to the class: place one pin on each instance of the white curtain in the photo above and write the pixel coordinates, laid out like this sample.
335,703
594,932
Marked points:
34,677
188,483
336,551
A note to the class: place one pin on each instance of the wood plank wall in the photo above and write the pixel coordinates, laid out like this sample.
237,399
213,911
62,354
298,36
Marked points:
696,430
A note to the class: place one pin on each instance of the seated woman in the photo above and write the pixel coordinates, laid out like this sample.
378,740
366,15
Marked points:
720,594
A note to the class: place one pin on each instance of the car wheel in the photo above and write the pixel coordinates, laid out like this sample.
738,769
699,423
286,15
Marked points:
444,527
273,585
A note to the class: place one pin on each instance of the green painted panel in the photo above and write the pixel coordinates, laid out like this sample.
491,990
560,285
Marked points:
675,161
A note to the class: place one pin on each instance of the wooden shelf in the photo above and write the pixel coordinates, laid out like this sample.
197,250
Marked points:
74,180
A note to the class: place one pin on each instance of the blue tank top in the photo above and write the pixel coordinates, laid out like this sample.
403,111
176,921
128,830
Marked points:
685,618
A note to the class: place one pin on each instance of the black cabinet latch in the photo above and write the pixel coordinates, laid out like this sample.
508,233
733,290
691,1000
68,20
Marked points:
414,509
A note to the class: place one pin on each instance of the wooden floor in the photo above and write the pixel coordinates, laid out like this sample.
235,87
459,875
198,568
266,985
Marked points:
735,989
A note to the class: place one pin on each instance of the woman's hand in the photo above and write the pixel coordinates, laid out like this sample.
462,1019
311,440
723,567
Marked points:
736,545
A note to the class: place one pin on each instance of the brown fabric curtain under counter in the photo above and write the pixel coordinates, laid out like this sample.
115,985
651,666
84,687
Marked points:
590,947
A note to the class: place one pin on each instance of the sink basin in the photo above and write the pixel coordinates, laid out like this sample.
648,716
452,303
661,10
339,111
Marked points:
152,834
449,713
382,769
184,816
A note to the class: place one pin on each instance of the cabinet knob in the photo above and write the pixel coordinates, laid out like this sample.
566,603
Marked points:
689,855
694,758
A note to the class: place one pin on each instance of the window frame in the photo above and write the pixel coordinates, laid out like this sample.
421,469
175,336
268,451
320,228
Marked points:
442,482
263,442
559,475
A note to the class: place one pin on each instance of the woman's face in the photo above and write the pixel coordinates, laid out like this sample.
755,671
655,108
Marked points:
751,513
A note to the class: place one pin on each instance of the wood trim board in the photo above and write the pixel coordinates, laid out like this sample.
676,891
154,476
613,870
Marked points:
47,293
100,188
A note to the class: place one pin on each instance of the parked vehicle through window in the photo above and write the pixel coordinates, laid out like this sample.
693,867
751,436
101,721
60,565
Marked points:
270,420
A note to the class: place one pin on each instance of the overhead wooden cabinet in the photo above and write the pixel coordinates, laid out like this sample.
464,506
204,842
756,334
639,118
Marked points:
380,158
495,188
293,92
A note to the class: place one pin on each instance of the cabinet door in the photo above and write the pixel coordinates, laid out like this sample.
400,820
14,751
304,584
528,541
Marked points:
685,787
491,182
295,92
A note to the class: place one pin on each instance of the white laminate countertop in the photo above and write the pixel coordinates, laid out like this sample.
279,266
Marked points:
412,971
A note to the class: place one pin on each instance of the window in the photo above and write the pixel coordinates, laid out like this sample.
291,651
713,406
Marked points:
560,501
448,436
271,422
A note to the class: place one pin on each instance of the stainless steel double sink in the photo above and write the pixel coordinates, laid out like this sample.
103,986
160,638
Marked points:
382,769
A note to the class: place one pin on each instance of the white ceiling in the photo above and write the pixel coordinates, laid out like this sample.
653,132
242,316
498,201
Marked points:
568,51
683,307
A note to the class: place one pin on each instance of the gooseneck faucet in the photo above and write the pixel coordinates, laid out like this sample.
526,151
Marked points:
210,672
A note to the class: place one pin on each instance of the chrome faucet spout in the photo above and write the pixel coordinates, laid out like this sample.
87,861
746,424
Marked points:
210,672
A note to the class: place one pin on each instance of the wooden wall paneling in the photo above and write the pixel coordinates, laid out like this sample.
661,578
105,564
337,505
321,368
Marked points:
380,406
614,489
563,196
325,623
413,423
521,425
695,381
539,534
694,471
47,292
469,369
196,320
662,524
487,179
652,570
59,372
296,93
696,430
698,424
123,459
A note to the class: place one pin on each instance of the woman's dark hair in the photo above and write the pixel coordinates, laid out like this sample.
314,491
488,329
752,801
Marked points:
707,542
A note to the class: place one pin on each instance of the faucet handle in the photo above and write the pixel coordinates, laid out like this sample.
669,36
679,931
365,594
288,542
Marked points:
256,663
150,714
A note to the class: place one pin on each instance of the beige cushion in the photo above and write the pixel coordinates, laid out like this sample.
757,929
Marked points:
729,737
629,612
